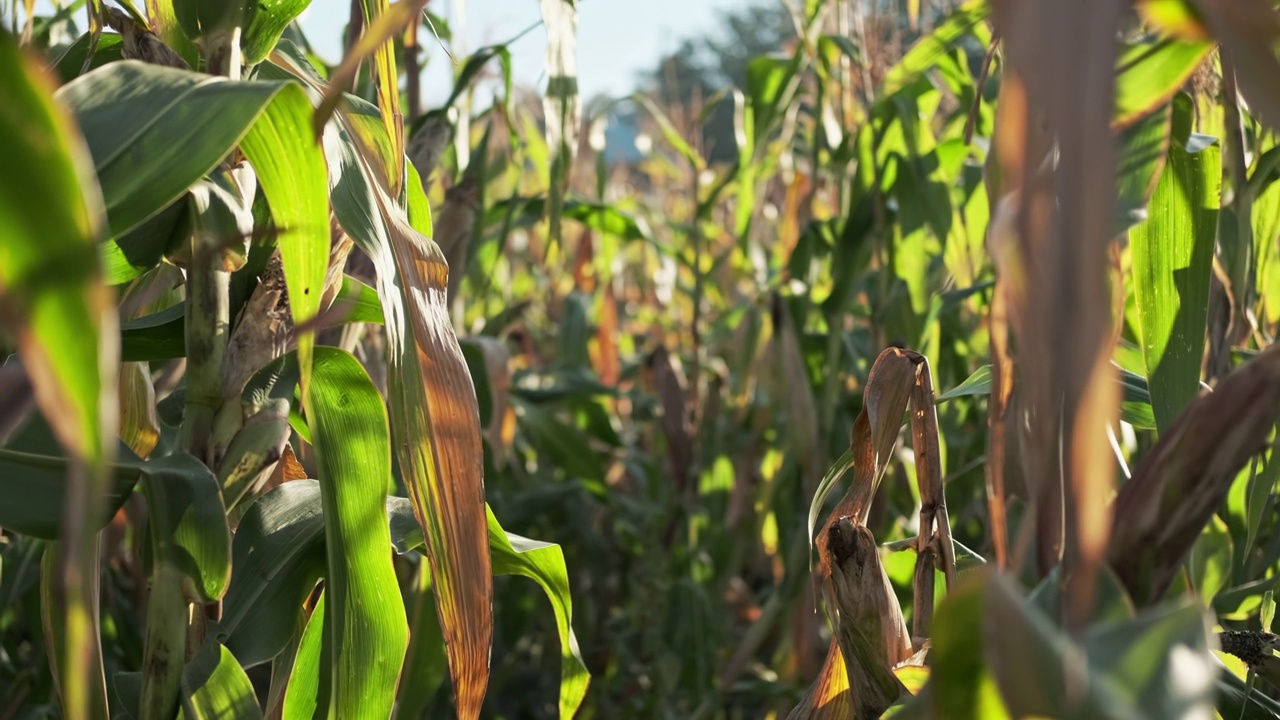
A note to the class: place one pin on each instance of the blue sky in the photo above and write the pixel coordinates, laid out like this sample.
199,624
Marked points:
616,38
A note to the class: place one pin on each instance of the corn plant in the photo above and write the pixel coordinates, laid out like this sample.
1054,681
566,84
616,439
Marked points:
1040,236
177,440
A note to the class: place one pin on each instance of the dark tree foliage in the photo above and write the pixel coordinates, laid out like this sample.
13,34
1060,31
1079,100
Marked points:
705,65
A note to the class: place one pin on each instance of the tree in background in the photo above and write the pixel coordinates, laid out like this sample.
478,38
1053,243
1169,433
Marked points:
691,80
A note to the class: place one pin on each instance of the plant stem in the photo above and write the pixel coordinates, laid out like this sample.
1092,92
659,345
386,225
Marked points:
207,330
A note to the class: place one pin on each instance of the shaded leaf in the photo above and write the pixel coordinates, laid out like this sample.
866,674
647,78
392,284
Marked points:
1144,150
34,483
153,131
515,555
278,555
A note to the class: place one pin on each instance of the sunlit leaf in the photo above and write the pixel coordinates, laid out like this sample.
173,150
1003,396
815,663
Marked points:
1177,18
291,170
964,21
264,25
1148,75
366,633
1172,264
977,384
307,695
434,417
215,686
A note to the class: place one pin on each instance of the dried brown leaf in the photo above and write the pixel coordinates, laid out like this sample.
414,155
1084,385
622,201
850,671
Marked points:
875,432
870,629
453,227
435,422
1180,483
934,549
1248,31
828,698
857,680
793,391
1063,56
608,359
668,380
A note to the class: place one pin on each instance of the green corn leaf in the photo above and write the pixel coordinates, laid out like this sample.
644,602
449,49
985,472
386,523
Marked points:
54,628
434,414
214,686
670,133
188,523
191,121
1135,403
307,695
977,384
1172,265
33,489
58,309
291,170
1146,660
965,21
425,661
140,249
471,69
1144,150
153,131
1259,495
278,555
366,631
1149,74
71,63
994,655
265,24
165,20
